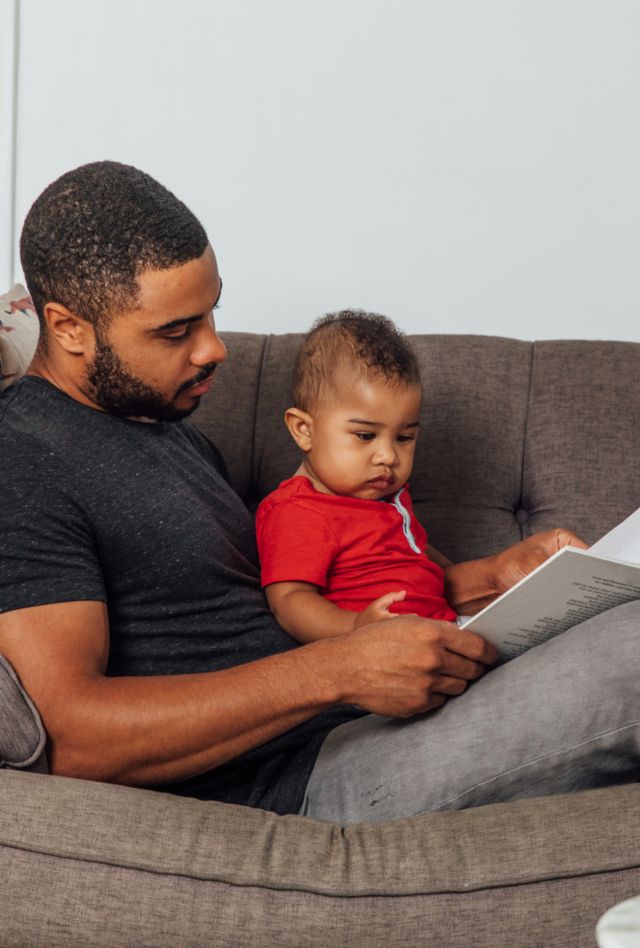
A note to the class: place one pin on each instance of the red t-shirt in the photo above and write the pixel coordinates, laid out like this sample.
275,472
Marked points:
353,550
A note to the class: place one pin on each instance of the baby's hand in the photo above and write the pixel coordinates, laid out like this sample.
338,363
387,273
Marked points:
379,608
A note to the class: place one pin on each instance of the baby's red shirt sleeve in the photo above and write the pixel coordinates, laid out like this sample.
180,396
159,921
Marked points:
295,543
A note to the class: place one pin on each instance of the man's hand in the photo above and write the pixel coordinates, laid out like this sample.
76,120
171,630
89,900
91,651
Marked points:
156,729
409,666
516,562
473,585
378,610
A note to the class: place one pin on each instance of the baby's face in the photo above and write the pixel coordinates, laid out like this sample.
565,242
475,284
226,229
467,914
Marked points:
362,445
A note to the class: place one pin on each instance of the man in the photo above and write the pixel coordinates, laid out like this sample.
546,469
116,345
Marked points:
130,602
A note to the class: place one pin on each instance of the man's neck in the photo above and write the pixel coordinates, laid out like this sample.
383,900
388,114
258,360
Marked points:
45,368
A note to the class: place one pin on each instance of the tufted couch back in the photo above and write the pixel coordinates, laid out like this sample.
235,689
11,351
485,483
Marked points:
516,437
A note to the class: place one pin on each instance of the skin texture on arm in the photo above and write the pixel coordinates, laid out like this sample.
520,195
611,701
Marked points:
437,557
158,729
307,616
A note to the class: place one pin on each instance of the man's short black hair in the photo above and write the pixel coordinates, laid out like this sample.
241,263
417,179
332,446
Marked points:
351,343
94,230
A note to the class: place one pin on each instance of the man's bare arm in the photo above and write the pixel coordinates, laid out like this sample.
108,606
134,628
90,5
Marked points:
473,585
437,557
157,729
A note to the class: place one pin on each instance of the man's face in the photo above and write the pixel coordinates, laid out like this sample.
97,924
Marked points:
156,361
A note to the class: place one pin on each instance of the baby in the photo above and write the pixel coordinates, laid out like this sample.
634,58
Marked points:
339,543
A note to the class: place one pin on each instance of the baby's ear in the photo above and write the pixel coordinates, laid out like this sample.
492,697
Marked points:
300,426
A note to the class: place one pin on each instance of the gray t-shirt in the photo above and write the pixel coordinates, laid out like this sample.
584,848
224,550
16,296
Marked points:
141,516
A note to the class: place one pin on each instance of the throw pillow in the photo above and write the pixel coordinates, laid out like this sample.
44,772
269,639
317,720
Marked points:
19,330
22,736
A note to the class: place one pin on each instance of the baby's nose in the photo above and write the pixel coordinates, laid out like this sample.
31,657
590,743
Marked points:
386,454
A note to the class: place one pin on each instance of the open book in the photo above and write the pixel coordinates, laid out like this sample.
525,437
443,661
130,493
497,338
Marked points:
571,586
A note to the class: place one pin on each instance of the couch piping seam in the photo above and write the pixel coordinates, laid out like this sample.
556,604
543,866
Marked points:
373,893
253,487
525,437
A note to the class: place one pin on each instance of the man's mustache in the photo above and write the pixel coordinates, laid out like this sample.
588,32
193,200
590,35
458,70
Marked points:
203,374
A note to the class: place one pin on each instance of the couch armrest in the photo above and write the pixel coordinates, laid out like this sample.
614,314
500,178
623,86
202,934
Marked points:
22,735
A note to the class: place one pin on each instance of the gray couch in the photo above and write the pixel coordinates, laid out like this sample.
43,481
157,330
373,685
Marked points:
517,437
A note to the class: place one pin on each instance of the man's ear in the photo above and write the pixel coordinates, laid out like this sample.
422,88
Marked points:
73,334
300,425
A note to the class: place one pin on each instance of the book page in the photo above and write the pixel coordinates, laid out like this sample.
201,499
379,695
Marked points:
623,542
570,587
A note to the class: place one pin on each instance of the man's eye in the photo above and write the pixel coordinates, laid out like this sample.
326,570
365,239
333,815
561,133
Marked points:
179,336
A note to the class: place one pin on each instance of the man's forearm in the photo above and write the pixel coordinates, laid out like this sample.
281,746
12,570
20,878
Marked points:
468,586
153,730
471,586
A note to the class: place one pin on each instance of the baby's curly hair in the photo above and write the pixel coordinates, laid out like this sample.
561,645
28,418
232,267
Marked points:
94,230
355,343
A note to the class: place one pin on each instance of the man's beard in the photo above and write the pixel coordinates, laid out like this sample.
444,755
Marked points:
115,389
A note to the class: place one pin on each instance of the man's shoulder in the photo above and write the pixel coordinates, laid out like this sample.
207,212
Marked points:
204,445
17,398
41,424
29,418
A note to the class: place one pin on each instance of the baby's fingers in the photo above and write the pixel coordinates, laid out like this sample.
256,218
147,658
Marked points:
383,602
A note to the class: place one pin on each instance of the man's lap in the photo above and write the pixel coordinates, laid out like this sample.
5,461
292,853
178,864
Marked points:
564,716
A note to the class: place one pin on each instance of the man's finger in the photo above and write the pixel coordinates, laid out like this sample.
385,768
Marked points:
449,686
469,645
568,538
455,666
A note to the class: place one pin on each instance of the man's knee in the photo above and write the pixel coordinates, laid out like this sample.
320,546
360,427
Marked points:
615,633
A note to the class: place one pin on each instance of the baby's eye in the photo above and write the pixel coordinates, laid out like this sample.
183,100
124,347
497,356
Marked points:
402,439
364,435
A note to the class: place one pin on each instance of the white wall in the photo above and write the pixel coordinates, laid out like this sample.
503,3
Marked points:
463,166
8,102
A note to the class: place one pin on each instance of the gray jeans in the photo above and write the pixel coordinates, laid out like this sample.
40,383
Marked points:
563,717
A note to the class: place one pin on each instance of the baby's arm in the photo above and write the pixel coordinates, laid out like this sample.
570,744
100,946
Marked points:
307,616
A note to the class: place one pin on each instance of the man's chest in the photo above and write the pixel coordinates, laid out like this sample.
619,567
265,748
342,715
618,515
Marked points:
167,514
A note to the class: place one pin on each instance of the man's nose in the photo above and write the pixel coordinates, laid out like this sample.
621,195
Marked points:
209,349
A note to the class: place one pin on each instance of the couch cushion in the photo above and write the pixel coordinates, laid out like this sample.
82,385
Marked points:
468,466
22,736
19,330
111,866
228,414
454,851
582,451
